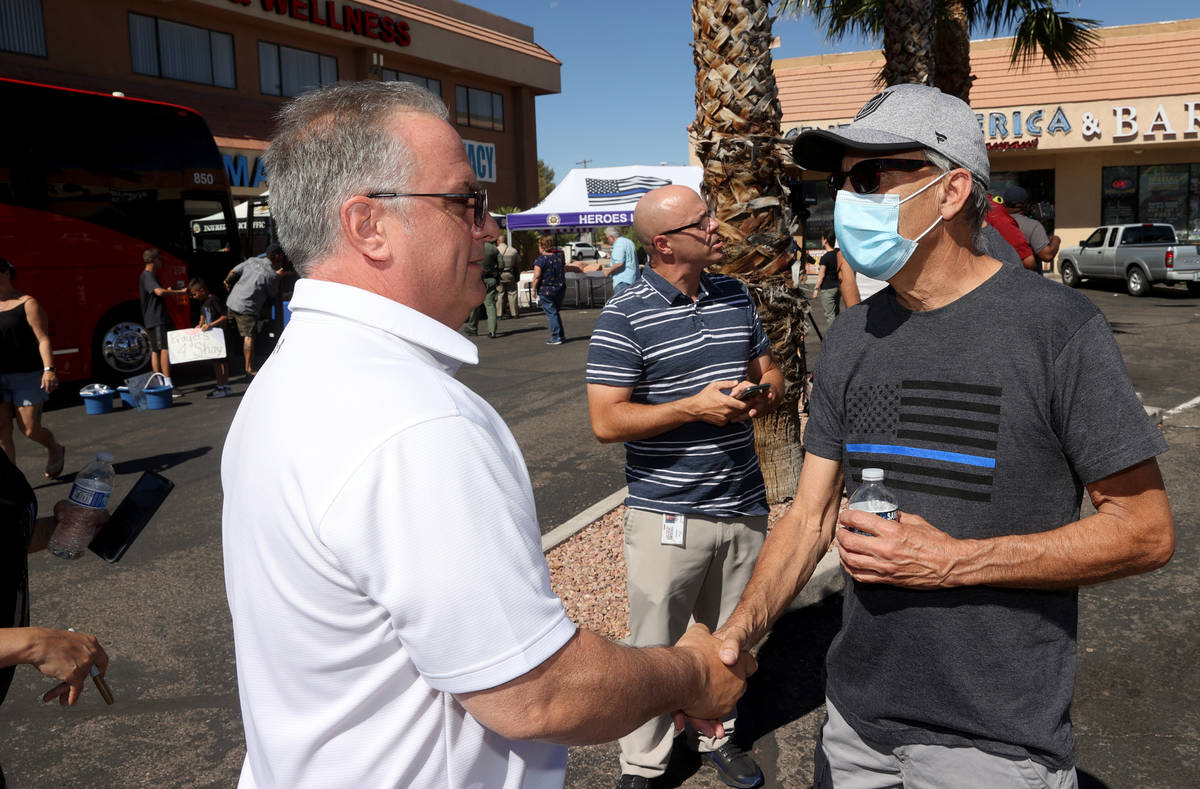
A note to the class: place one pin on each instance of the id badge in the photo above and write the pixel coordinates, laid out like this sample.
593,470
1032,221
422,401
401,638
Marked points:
673,528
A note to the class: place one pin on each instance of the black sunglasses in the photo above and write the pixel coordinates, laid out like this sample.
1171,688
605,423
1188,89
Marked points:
864,176
479,196
701,223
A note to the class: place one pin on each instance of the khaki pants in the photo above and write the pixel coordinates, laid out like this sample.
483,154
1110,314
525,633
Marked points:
670,585
506,296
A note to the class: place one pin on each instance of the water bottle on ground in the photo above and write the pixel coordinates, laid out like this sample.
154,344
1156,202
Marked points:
874,497
86,508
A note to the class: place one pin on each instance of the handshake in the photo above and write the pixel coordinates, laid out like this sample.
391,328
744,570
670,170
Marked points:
719,685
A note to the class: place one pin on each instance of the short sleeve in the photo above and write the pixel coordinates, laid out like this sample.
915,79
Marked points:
1099,419
625,253
1037,236
823,431
614,358
759,340
454,559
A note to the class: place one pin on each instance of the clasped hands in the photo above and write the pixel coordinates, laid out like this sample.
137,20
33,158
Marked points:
722,683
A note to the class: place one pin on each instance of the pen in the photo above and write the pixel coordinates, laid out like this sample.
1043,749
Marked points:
101,684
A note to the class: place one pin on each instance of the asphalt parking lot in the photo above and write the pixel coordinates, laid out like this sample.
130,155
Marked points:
161,611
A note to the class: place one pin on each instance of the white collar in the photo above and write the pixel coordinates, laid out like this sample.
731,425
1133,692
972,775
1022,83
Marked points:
445,346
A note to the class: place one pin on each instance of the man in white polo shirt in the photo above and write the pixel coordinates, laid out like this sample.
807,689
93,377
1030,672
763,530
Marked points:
393,618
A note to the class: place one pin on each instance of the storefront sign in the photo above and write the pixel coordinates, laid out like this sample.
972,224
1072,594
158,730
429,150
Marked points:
239,173
482,156
1014,129
328,13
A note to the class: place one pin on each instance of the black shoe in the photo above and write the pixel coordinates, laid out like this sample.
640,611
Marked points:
634,782
492,335
734,766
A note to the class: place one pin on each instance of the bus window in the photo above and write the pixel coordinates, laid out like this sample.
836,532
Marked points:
79,206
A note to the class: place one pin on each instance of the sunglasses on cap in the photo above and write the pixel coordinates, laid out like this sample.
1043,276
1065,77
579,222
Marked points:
479,197
864,176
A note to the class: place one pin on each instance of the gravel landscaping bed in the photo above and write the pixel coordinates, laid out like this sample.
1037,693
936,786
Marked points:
587,571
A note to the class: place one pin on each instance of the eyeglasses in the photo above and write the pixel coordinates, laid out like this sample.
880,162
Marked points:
705,223
864,176
479,197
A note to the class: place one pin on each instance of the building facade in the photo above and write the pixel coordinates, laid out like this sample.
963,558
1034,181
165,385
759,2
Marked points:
236,61
1115,141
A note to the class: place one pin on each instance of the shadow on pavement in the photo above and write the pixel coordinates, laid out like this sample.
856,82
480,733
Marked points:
1089,781
789,683
159,463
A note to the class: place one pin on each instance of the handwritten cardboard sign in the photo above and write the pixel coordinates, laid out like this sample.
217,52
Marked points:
193,345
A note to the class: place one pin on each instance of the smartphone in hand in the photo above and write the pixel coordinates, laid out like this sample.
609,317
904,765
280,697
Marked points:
751,392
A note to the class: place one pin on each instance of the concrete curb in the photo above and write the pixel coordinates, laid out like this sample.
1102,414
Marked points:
826,581
564,531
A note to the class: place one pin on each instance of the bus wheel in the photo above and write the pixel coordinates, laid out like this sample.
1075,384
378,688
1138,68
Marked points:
122,348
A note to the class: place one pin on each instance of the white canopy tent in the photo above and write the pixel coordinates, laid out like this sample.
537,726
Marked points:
600,196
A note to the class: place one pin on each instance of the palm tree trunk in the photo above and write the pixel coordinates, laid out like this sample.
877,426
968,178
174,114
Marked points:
736,136
952,51
907,38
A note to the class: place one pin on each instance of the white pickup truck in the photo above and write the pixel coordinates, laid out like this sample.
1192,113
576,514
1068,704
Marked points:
1140,254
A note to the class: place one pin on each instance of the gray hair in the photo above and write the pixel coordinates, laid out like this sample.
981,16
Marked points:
331,144
977,203
612,232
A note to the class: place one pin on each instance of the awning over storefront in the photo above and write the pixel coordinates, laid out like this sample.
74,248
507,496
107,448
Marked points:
600,196
216,222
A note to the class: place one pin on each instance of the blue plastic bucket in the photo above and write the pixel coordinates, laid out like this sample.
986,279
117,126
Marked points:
126,397
98,403
158,397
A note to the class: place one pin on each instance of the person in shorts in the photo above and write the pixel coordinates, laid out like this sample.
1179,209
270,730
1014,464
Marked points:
212,316
27,374
251,283
154,314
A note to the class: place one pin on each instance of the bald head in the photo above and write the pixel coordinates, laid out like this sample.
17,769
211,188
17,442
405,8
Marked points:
659,209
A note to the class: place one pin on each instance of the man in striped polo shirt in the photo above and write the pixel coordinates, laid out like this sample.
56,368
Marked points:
667,361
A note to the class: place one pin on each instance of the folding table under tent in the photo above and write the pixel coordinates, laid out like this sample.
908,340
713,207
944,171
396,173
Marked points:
599,197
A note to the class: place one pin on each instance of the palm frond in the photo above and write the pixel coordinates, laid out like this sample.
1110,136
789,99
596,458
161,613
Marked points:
839,18
1066,42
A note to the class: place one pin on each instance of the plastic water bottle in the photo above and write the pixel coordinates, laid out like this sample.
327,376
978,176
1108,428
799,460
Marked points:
874,497
85,510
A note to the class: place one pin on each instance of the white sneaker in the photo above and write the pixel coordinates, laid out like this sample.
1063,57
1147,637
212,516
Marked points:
220,391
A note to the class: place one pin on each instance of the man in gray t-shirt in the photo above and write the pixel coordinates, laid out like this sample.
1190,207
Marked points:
1044,247
251,283
991,399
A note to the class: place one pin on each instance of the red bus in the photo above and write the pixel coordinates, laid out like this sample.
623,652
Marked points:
88,182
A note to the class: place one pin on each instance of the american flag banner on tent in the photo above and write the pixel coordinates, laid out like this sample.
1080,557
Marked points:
619,191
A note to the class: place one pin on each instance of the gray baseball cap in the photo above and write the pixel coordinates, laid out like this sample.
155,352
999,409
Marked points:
901,118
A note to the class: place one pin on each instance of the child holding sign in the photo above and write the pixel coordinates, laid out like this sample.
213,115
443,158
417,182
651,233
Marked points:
212,316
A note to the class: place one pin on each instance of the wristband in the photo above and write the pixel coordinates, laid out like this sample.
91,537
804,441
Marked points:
49,369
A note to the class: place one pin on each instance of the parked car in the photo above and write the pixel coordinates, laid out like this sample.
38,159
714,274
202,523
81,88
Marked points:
582,249
1141,254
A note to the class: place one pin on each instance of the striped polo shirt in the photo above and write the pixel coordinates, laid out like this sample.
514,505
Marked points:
656,340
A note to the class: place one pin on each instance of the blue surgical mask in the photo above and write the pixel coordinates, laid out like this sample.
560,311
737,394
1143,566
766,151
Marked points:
867,230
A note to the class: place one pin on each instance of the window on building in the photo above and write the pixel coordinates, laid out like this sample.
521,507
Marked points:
22,28
162,48
1166,193
434,86
479,109
284,71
